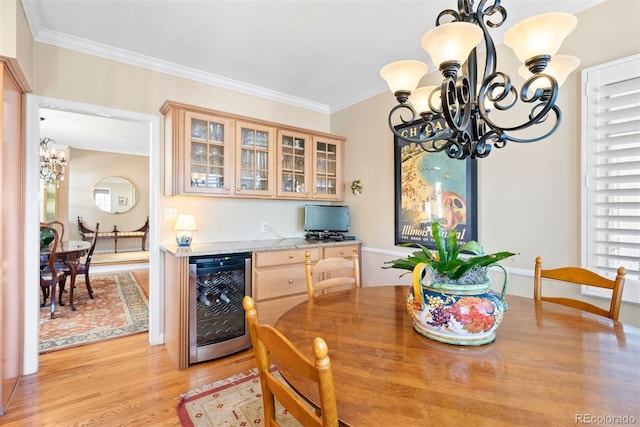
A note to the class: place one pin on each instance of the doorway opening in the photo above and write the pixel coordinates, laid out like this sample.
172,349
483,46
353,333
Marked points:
151,125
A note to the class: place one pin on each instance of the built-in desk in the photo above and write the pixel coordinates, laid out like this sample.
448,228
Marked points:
277,278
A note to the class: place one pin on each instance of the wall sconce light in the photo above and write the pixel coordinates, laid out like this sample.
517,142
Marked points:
356,187
184,226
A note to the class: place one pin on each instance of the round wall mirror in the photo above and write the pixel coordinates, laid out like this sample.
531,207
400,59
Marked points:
115,195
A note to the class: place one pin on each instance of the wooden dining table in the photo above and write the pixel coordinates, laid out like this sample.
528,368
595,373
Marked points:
550,365
69,253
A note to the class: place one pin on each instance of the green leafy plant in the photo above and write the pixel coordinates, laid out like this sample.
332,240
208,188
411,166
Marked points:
445,259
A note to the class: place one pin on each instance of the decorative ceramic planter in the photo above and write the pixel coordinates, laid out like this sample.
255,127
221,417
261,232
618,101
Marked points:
456,314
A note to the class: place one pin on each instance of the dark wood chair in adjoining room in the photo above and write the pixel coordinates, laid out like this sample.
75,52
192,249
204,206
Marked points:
581,276
83,267
328,273
270,346
59,226
50,276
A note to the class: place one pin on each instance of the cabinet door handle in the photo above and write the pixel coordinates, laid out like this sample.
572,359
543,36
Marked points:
291,281
238,189
226,188
290,256
341,252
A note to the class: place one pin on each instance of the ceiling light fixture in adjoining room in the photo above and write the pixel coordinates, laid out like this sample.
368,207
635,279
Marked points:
52,162
460,117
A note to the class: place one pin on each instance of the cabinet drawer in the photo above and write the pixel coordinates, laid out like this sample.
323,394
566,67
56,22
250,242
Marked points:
339,251
284,257
279,281
270,311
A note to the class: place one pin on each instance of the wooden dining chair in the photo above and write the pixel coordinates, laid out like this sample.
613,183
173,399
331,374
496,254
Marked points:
59,226
580,276
49,274
331,273
270,345
83,267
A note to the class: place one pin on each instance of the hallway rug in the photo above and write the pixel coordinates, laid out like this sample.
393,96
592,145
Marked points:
233,402
118,308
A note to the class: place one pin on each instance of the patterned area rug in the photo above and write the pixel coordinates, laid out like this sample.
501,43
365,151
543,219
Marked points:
232,402
118,308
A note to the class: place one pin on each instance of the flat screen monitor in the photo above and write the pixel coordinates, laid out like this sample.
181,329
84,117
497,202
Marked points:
322,218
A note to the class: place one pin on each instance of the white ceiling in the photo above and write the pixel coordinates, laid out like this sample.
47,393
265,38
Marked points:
90,132
323,55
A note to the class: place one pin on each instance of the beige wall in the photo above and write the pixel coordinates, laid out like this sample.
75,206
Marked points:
86,168
529,194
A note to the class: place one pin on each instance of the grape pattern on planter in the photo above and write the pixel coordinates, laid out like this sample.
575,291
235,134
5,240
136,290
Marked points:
439,317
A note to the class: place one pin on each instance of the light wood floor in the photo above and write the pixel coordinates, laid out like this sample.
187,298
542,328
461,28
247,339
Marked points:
121,382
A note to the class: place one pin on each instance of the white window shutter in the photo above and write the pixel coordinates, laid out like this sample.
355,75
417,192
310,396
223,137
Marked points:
611,166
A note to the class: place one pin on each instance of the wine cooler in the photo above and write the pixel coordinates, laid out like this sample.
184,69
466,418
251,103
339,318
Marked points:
217,325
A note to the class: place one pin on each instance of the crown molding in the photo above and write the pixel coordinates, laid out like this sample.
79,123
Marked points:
121,55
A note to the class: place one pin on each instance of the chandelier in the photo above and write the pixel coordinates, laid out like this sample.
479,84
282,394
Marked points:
460,117
52,163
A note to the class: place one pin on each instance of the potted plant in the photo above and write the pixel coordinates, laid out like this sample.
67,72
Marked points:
451,298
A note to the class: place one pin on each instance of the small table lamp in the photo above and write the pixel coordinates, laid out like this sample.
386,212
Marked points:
184,226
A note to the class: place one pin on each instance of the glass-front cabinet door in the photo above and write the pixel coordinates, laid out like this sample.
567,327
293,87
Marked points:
327,168
294,167
207,153
254,159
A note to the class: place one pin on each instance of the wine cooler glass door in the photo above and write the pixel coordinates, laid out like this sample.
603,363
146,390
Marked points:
217,325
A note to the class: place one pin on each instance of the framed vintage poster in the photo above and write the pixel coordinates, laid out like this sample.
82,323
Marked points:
433,187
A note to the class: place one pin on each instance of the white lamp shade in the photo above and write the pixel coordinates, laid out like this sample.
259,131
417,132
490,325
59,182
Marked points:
403,75
540,35
185,222
451,42
559,68
420,99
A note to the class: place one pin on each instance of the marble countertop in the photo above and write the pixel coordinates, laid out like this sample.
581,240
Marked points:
215,248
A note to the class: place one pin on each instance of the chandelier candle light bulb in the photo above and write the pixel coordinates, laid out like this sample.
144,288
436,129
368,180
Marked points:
473,98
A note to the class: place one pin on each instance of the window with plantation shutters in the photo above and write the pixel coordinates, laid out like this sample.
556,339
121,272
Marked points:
611,165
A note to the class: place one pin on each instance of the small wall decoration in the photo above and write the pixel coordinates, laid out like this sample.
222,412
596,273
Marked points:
433,187
356,187
122,201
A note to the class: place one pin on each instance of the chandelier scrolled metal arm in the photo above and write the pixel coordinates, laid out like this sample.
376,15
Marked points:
462,119
52,163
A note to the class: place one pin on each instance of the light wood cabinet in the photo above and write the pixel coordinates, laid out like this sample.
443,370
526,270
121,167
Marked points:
279,281
294,164
207,154
255,153
211,153
344,251
327,169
